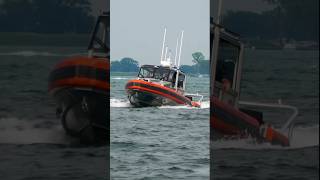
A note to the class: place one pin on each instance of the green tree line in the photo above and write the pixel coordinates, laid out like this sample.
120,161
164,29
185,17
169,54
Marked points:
127,64
46,16
290,19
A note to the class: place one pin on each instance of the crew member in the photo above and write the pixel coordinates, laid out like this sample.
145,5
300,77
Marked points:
225,71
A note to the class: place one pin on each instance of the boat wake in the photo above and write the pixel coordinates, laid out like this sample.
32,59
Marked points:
119,78
124,103
120,103
203,105
302,137
21,131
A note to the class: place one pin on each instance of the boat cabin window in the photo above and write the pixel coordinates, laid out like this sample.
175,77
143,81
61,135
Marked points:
99,42
154,72
227,57
146,72
181,81
162,73
100,36
172,76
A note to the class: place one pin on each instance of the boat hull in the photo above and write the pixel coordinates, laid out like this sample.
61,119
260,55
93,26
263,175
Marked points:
229,122
142,93
142,98
80,86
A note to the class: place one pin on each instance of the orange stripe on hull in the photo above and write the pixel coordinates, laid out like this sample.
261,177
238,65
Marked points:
156,85
80,82
275,137
235,112
156,92
221,126
100,63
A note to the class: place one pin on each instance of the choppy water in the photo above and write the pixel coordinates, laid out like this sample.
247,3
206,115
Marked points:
155,143
33,144
168,142
293,77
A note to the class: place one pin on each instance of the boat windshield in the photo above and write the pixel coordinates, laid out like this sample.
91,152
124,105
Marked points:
99,43
156,72
163,74
146,72
227,57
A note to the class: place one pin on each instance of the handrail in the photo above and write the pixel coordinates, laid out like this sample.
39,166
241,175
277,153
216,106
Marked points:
279,105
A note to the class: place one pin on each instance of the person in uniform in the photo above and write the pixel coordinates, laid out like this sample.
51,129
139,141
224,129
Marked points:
225,72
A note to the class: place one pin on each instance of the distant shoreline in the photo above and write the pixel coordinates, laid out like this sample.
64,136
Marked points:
44,39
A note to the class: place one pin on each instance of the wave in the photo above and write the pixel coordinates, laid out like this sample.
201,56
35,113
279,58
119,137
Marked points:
305,136
38,53
302,137
120,103
123,103
119,78
22,131
203,105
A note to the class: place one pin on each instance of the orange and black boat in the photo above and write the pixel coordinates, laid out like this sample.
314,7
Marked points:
230,117
157,86
161,85
80,86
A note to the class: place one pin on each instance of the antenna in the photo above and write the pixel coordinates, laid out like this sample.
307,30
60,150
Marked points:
164,40
181,40
176,53
169,57
177,75
165,55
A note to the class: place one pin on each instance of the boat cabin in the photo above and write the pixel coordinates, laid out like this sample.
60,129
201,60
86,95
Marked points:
99,45
226,61
164,75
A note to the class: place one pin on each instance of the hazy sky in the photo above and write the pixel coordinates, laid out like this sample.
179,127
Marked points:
137,28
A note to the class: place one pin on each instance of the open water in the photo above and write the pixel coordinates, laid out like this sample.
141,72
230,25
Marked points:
33,144
168,142
157,142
